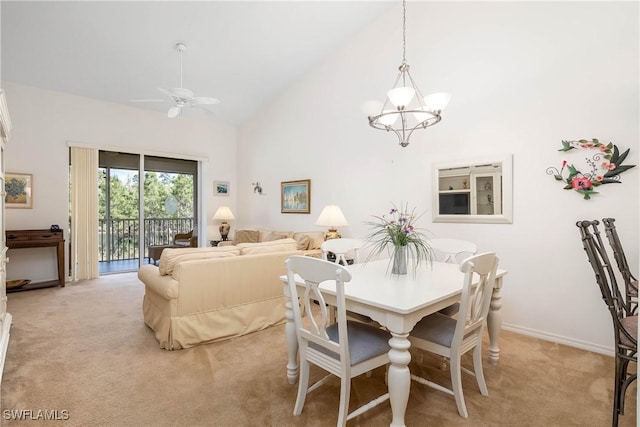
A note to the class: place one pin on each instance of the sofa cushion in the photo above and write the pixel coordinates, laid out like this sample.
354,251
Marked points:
282,245
302,240
172,256
316,238
246,236
271,235
275,236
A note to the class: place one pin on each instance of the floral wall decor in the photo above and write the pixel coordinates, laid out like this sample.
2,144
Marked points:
603,165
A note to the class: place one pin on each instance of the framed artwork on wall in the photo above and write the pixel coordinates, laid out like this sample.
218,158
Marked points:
295,196
220,188
18,188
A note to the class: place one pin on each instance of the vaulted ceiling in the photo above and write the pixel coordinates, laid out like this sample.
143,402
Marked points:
241,52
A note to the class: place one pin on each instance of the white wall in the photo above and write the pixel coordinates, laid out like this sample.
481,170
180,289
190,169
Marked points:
43,124
524,76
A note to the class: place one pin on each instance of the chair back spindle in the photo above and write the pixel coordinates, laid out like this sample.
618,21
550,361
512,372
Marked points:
602,268
630,282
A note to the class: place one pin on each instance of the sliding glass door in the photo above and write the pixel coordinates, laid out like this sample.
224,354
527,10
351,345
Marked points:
168,206
170,201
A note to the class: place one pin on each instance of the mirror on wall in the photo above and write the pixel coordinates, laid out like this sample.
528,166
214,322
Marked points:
476,190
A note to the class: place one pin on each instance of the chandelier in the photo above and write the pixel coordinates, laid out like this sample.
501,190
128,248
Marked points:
405,109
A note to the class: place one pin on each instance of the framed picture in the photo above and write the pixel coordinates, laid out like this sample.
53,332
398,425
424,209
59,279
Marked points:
18,188
220,188
295,196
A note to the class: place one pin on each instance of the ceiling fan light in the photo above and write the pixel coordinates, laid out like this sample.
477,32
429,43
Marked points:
173,112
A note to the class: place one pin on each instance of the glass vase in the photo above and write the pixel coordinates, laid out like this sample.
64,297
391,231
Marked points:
399,260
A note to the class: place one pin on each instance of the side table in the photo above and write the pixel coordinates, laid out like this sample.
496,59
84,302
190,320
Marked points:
24,239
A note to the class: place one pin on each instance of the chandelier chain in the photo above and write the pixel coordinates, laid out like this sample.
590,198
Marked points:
404,31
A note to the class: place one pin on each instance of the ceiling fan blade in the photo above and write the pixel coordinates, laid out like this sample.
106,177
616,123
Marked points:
205,100
203,107
147,100
166,92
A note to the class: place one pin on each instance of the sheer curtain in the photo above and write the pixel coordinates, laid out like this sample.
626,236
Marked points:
84,213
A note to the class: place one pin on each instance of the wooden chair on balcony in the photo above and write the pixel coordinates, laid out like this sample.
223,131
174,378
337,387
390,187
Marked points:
185,239
180,240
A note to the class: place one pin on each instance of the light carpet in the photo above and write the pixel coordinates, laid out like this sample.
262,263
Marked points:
83,353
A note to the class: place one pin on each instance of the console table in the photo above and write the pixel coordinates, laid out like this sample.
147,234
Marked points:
20,239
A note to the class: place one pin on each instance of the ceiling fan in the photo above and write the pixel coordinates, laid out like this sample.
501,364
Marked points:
181,97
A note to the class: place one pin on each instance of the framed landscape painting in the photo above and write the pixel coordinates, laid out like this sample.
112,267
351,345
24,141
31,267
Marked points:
221,188
295,196
18,188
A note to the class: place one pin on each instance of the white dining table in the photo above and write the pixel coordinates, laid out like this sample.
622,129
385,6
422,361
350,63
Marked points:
398,302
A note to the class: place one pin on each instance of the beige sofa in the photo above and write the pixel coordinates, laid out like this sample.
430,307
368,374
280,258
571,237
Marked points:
199,295
307,241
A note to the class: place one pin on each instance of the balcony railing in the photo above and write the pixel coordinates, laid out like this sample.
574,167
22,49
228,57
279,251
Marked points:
119,238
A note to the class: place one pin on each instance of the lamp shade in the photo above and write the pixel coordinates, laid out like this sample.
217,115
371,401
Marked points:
437,101
224,214
331,216
371,108
401,96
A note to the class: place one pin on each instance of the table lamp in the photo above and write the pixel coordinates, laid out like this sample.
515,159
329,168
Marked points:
224,214
332,217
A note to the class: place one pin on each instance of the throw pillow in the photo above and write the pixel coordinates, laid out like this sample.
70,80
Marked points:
270,235
316,238
303,241
246,236
275,236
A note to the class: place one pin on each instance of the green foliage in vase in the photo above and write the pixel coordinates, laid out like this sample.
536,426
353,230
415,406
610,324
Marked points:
397,230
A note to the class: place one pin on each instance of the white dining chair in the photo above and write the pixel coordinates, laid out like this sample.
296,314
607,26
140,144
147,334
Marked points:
452,251
345,252
451,338
345,349
342,249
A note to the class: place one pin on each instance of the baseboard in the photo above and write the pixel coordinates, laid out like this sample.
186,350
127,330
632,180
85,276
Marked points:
572,342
